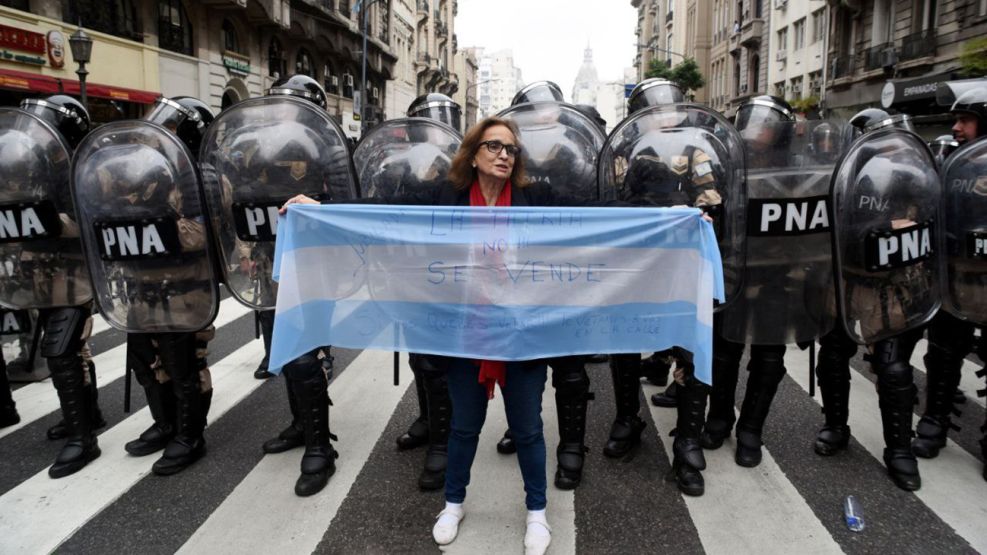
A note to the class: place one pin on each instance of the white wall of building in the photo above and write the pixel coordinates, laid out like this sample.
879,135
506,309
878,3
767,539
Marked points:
401,90
791,66
498,80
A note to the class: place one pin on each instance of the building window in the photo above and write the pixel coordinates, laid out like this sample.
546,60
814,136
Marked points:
755,75
331,80
929,10
275,59
344,8
303,62
347,83
174,28
797,88
230,42
780,89
117,17
783,38
983,8
798,32
818,25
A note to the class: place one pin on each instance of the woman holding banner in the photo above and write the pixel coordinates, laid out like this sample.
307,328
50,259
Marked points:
488,171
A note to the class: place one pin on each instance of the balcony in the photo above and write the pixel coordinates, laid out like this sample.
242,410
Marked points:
441,30
751,32
918,45
880,56
422,10
841,66
734,47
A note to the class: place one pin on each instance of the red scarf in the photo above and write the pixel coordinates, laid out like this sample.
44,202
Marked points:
491,371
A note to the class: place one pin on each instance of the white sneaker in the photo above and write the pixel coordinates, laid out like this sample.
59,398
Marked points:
538,535
447,524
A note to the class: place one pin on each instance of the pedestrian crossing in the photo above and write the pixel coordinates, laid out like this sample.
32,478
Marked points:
238,500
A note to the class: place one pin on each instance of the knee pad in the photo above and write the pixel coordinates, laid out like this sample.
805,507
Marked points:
768,361
303,368
895,374
177,352
66,330
67,369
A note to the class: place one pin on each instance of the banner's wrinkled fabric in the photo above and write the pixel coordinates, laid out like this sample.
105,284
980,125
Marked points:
514,283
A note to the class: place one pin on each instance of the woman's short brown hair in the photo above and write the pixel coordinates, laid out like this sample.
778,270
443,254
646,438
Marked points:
462,174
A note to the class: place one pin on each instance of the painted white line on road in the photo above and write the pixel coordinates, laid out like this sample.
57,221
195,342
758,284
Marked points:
363,401
38,399
41,513
495,510
969,382
951,483
747,510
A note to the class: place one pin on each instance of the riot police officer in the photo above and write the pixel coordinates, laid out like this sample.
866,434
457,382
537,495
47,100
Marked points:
539,91
951,332
263,151
668,155
942,146
35,146
171,367
882,300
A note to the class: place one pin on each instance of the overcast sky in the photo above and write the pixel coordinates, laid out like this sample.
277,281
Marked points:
548,37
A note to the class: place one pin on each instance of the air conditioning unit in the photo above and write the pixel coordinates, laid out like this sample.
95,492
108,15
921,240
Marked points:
888,58
348,79
781,56
797,88
743,89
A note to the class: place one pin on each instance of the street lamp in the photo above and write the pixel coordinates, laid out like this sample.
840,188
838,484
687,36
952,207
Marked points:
362,6
82,50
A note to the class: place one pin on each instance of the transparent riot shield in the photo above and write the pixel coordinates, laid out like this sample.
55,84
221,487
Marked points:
561,147
964,237
144,228
886,201
255,156
682,154
788,293
41,261
405,155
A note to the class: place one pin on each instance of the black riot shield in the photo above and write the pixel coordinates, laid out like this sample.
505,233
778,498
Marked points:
41,261
405,155
885,202
788,291
682,154
561,147
144,228
255,156
964,237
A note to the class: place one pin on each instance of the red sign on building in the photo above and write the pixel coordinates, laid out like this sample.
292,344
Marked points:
19,39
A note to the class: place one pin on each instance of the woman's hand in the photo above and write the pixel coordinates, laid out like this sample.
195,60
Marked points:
297,199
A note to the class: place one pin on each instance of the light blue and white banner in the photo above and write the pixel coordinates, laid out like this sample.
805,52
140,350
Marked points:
514,283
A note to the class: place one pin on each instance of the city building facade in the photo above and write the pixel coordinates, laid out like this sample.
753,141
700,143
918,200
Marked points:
672,30
498,80
797,49
466,67
584,89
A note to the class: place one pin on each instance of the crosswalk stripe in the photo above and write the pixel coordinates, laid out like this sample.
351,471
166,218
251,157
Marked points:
40,513
37,399
363,400
969,382
741,500
951,484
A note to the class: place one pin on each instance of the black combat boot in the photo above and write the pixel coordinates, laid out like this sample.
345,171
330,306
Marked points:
77,412
60,430
161,403
625,434
506,444
433,475
656,367
292,436
319,461
178,359
668,399
417,434
766,370
833,375
943,371
896,403
266,320
8,410
722,415
687,452
571,396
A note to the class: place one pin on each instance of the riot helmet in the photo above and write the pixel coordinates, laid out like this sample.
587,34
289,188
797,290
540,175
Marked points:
972,102
654,92
64,113
539,91
942,146
185,116
824,142
765,122
301,86
436,106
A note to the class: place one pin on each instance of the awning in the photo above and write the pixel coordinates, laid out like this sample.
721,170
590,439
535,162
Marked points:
947,93
45,84
920,90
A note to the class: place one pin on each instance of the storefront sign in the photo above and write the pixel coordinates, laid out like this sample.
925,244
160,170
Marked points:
22,58
19,39
236,63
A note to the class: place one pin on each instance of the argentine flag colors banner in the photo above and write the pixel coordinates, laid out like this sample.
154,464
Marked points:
496,283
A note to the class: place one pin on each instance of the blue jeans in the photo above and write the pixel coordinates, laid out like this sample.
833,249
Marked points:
522,402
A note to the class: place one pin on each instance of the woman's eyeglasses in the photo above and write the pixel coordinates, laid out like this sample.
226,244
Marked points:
494,147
